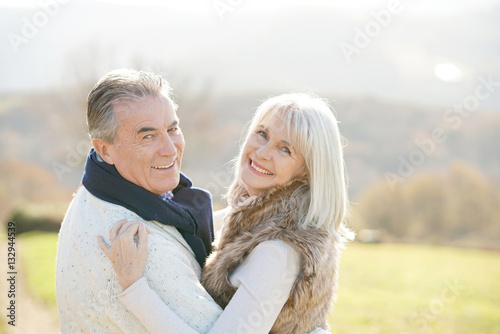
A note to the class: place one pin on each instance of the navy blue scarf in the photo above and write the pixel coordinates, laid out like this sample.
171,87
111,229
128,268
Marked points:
190,211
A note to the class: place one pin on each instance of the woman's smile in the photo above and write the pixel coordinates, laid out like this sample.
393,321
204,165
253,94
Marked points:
258,168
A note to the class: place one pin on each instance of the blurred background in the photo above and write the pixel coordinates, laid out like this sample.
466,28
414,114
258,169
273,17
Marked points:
415,86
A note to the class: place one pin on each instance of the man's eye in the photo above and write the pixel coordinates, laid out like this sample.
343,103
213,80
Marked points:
148,136
174,130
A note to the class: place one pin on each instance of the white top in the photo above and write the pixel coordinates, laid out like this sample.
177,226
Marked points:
264,281
86,285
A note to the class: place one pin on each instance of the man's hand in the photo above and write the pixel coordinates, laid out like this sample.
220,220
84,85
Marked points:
127,256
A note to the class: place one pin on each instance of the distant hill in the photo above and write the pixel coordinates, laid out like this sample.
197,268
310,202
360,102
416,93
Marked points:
48,130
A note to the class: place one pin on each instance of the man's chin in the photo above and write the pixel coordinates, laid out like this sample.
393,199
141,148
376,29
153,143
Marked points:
168,185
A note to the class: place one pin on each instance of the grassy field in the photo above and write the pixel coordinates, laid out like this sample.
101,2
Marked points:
401,289
38,256
385,288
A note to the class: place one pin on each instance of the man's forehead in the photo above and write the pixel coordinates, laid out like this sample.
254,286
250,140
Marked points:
140,110
150,101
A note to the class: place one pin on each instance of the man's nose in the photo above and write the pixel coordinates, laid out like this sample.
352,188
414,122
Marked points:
167,148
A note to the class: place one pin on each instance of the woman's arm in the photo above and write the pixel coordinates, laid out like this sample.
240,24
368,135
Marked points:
264,282
151,311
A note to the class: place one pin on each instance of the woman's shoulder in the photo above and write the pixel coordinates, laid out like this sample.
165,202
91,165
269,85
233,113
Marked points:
277,251
277,245
271,258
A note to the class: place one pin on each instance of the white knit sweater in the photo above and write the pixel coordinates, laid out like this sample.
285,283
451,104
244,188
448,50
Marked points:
86,286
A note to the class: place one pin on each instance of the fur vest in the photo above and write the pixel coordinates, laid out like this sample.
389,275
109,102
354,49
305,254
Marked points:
272,216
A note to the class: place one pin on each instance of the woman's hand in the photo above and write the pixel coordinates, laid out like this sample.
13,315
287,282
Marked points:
127,256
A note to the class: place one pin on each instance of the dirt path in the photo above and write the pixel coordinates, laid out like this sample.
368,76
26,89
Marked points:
32,315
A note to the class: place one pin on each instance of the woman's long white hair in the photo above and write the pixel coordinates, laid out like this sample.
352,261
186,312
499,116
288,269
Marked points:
313,131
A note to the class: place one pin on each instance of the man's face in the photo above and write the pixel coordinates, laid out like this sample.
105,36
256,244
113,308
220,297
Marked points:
148,147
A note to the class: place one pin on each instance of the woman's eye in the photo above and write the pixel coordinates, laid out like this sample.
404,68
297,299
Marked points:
262,134
286,150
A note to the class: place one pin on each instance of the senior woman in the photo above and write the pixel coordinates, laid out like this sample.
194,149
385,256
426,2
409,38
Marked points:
275,267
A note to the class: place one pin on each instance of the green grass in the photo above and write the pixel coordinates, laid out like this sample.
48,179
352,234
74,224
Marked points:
384,289
401,289
38,256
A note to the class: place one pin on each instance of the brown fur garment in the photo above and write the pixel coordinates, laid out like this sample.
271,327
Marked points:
272,216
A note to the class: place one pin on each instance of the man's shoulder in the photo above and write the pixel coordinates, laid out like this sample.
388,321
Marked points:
85,198
88,211
90,214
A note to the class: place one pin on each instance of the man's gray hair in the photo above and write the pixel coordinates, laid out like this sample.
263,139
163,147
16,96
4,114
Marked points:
117,86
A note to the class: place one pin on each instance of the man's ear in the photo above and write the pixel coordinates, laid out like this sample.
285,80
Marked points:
102,148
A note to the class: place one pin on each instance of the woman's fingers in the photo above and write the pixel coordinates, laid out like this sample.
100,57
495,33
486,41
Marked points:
124,228
113,232
120,227
127,256
128,231
142,239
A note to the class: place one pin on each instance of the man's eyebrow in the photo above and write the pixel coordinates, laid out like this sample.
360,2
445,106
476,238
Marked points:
150,128
146,129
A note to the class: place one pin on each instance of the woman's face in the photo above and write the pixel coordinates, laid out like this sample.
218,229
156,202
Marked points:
268,159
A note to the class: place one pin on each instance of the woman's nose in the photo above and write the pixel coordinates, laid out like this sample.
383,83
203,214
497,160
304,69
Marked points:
263,152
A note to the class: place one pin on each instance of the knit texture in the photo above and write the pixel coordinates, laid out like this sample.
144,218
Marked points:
86,285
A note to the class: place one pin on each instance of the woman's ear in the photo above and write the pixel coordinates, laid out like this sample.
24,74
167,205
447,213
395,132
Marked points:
304,175
103,148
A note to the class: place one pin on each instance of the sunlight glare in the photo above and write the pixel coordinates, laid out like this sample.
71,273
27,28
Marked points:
448,72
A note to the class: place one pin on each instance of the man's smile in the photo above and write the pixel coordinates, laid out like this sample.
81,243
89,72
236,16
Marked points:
164,167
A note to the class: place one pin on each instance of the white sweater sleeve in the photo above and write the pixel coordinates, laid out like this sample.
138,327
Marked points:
264,281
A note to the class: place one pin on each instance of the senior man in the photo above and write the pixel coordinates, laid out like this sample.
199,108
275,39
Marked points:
133,172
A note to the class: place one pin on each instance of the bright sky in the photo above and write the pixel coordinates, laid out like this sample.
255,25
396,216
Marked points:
417,38
421,5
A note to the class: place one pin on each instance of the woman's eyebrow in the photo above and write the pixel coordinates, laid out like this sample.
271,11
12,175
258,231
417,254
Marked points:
263,127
